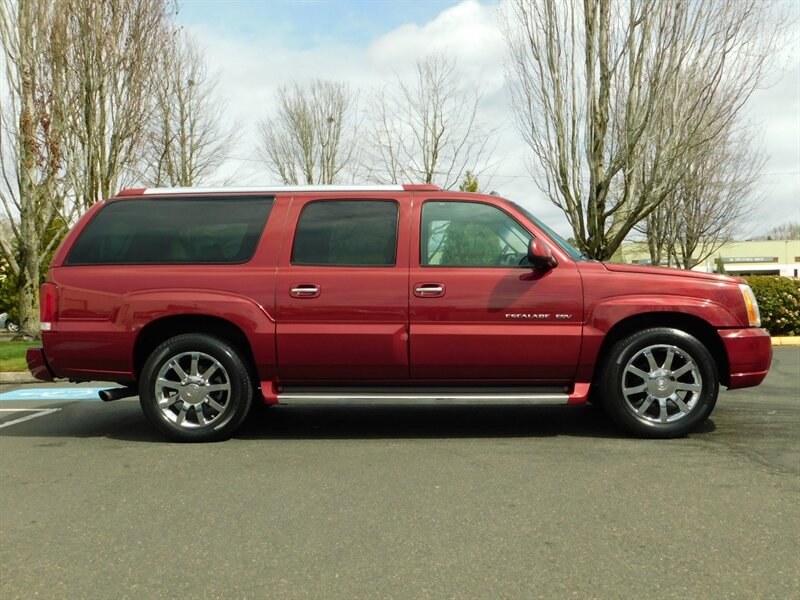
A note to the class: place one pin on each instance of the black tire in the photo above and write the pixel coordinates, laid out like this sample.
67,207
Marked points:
663,397
173,388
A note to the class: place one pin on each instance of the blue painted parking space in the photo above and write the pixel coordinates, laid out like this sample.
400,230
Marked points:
51,393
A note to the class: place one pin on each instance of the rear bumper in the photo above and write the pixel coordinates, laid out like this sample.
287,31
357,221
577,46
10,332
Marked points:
749,355
37,364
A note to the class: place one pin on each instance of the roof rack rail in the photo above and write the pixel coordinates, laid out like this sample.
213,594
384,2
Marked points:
409,187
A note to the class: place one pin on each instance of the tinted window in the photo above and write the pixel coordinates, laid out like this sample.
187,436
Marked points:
468,234
347,233
172,231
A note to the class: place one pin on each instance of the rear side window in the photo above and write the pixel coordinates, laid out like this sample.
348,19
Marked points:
173,231
347,233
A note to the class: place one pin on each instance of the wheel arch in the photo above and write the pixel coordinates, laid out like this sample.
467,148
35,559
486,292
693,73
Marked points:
160,330
705,333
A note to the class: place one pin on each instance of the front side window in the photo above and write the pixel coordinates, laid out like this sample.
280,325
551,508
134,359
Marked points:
347,233
469,234
172,231
573,252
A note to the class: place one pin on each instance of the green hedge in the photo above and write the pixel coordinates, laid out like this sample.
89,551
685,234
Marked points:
779,301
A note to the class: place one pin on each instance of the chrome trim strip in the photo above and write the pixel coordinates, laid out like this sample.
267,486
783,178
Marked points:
273,188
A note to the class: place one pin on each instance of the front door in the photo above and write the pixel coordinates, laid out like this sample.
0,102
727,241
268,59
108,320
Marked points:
342,292
478,312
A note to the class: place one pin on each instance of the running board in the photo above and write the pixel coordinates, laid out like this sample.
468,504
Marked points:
421,397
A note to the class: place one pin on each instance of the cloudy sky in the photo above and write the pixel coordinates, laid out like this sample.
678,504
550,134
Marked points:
255,46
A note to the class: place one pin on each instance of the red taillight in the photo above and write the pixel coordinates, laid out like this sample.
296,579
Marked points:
48,306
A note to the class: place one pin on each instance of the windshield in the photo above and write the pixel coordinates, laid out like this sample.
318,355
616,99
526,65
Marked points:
574,253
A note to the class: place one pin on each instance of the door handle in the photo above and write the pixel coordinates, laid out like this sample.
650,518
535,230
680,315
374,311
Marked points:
304,290
429,290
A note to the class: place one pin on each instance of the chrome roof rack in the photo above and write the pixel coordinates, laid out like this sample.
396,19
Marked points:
276,189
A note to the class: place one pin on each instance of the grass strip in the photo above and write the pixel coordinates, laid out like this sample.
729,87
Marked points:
12,355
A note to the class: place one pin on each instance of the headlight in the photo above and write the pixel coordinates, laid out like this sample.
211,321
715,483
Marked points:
751,304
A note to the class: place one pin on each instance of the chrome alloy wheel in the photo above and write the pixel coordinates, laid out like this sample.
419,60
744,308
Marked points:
193,390
661,384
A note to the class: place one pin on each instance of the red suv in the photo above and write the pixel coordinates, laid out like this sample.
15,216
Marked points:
203,301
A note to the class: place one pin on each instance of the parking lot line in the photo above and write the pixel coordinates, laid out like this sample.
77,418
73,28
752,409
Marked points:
38,412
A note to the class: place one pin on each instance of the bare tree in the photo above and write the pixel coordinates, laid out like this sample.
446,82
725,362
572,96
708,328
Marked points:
427,130
32,140
614,97
715,196
187,140
787,231
313,139
115,53
661,228
80,84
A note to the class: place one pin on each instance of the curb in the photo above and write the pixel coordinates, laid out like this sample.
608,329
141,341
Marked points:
17,377
786,341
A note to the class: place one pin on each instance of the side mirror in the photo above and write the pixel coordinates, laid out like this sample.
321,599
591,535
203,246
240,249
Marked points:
540,256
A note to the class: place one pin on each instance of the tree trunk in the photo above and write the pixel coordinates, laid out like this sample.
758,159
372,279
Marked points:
28,146
29,293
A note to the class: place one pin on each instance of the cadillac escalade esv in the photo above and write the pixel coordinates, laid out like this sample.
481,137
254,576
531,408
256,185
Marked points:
203,301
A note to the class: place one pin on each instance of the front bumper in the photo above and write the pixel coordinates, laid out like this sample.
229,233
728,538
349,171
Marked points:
37,364
749,355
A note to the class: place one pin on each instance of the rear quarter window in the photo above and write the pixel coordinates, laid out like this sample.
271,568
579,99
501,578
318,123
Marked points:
347,233
172,231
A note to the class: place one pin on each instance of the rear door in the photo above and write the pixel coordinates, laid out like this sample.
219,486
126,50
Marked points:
476,313
342,291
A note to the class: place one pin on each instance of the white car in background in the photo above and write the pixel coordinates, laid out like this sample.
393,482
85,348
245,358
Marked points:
7,324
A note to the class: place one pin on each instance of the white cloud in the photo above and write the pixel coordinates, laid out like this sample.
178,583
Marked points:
251,70
467,31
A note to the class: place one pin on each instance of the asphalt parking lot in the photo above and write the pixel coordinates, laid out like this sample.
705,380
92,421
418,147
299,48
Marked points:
388,502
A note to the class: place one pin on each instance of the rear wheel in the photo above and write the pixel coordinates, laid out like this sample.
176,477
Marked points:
195,388
660,383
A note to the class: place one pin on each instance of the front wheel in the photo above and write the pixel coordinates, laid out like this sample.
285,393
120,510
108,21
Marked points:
660,383
195,388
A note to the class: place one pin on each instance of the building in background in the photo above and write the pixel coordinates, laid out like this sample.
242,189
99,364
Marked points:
762,257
